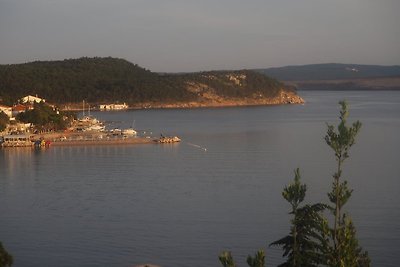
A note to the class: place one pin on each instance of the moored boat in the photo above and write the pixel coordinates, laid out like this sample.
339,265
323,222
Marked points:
129,131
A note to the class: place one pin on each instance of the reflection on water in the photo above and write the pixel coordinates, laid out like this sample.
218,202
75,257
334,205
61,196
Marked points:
178,205
14,161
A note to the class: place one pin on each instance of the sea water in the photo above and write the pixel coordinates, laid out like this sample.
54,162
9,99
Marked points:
219,189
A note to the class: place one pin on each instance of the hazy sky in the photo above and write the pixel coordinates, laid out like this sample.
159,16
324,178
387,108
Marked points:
188,35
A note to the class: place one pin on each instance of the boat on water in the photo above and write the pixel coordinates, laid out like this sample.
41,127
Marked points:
129,131
97,127
88,123
116,131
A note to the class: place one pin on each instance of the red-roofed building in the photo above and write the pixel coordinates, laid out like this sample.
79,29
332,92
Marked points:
19,108
7,110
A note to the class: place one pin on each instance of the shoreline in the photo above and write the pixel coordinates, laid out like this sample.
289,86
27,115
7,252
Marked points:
91,138
284,98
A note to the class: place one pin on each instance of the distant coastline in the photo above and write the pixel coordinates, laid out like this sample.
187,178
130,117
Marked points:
359,84
338,77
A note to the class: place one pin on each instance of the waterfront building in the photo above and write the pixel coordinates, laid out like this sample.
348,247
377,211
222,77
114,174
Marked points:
113,106
31,99
16,109
7,110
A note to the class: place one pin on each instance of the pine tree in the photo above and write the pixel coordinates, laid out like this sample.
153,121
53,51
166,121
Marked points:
6,260
258,260
342,249
302,246
312,241
226,259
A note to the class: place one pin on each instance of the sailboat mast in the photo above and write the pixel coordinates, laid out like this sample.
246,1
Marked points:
83,108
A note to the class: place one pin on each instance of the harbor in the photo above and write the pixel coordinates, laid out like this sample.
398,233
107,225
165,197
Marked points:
80,139
82,132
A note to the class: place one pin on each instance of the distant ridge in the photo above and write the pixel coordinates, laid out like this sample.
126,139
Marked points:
330,71
102,80
335,76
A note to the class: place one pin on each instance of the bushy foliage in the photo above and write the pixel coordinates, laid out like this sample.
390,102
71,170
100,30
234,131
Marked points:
6,259
258,260
226,259
4,120
44,117
303,246
342,243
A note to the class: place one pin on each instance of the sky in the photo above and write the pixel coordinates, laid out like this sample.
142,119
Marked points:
188,35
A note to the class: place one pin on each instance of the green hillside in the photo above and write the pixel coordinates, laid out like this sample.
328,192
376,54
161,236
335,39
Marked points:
100,80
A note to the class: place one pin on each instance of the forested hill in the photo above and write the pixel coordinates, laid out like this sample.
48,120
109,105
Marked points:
100,80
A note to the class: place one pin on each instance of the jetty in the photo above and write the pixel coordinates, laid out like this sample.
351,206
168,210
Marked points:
87,138
168,139
105,141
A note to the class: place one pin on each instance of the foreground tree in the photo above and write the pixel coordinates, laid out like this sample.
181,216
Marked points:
226,259
6,260
258,260
343,247
312,241
303,245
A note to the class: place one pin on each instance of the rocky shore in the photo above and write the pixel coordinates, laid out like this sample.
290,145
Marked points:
212,101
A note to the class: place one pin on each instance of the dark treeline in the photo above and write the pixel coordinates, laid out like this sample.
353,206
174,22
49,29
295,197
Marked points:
109,79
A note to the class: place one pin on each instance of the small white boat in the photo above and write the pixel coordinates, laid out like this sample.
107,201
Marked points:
116,131
129,131
97,127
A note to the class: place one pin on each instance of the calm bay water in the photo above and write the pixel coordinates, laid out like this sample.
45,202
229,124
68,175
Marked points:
179,205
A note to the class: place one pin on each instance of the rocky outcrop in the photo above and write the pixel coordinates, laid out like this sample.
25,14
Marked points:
208,92
285,97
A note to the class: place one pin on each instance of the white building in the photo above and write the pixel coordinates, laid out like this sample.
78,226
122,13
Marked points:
113,106
31,99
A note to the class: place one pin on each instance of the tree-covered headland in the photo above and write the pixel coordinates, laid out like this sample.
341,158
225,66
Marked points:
102,80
